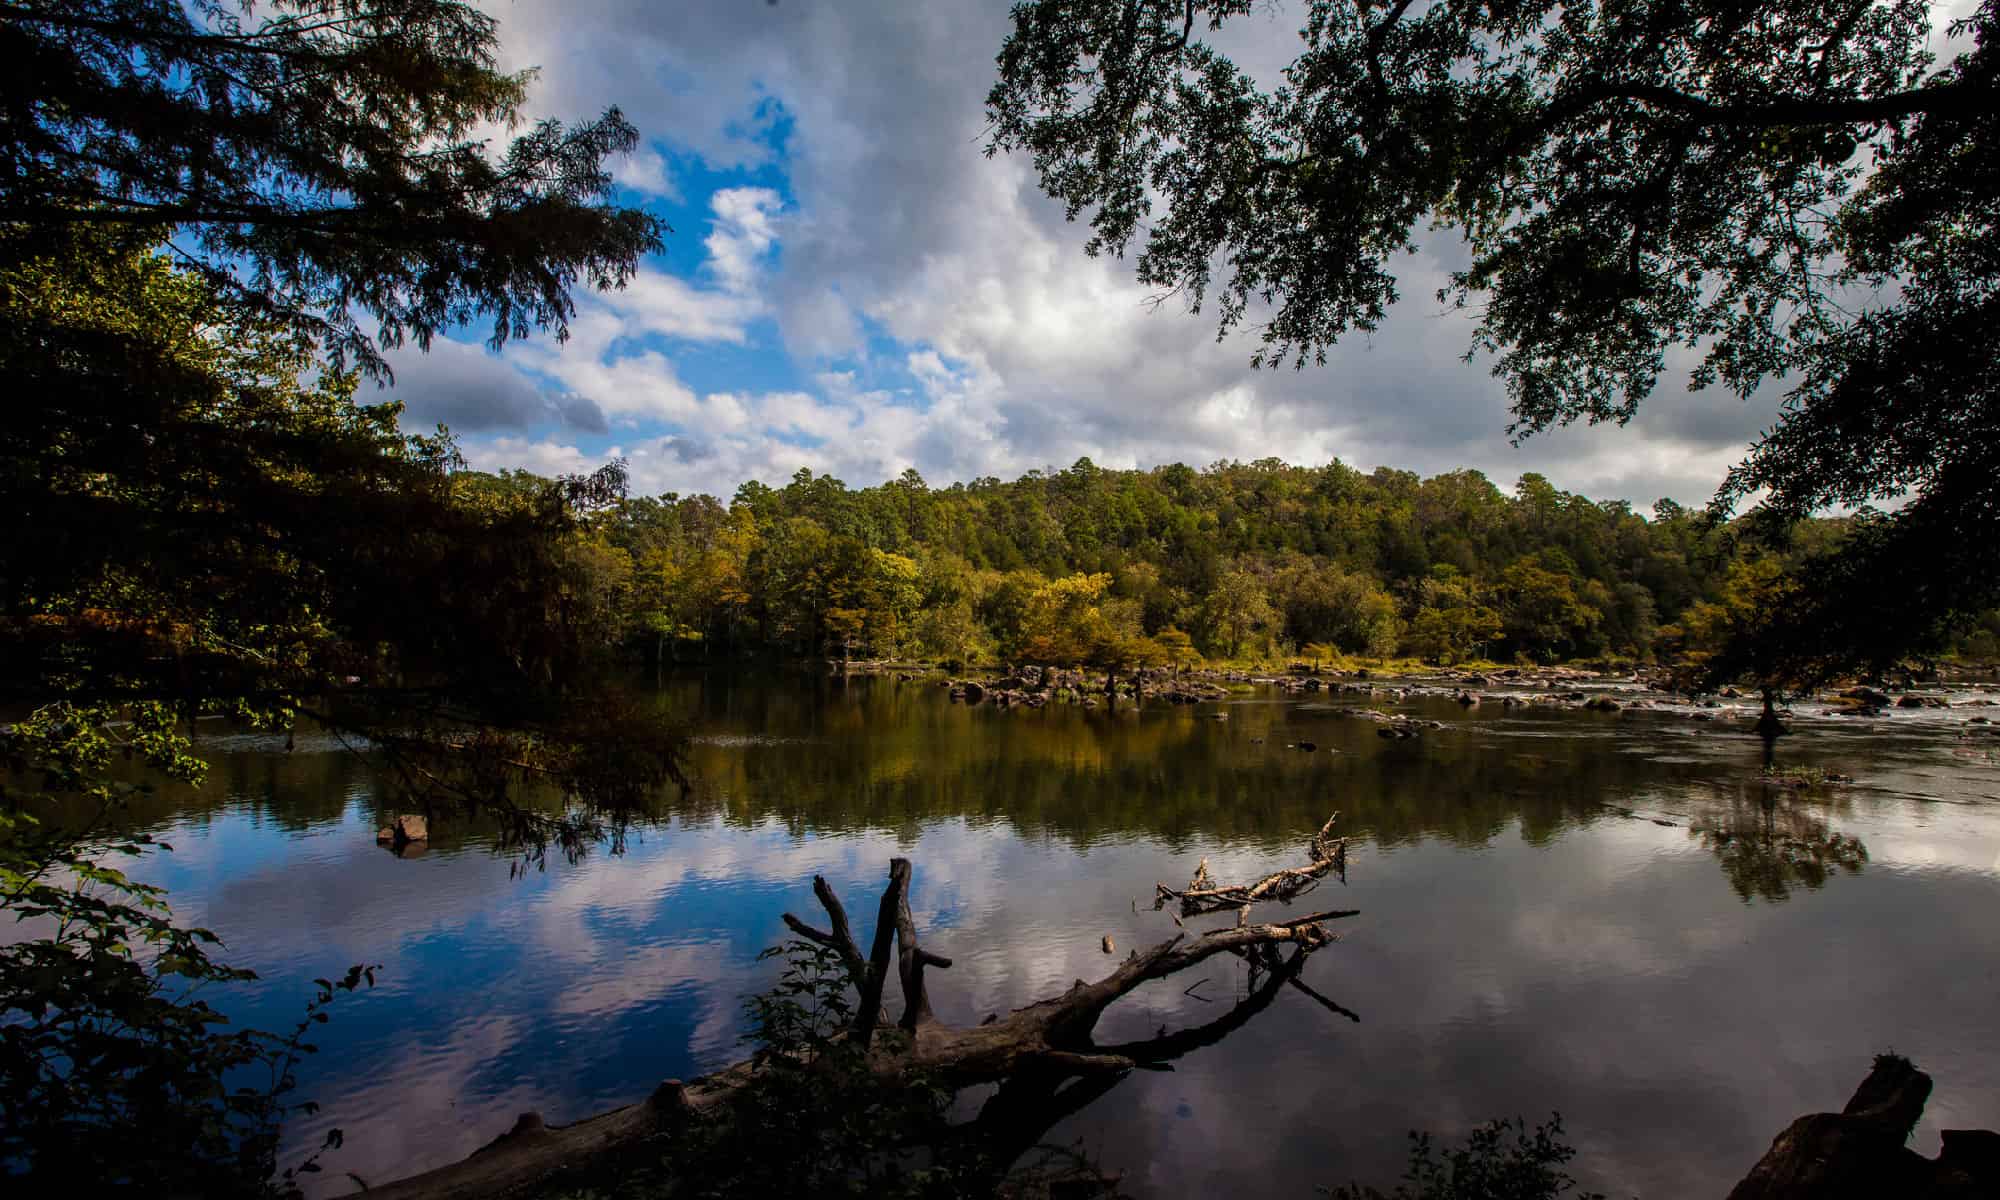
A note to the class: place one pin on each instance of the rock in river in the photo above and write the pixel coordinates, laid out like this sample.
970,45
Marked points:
407,828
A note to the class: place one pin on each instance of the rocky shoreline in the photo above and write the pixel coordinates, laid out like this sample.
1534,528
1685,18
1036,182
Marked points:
1035,686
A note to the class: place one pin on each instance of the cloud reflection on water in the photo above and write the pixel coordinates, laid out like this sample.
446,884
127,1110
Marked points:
1522,947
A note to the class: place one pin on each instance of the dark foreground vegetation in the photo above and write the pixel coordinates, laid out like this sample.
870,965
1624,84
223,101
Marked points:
213,221
209,224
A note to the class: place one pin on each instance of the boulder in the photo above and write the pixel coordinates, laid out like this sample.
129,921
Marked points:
1859,1152
407,828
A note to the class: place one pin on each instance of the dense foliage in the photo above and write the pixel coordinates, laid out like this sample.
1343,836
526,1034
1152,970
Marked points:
1786,189
200,207
321,160
1259,561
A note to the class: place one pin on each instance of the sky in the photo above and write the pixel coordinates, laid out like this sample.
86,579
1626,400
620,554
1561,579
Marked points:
852,286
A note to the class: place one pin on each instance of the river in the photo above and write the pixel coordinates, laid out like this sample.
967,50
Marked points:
1610,915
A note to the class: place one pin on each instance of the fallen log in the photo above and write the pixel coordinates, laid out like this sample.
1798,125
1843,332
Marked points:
1204,895
1034,1052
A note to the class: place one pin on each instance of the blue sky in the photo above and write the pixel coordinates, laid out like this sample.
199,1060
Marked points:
853,287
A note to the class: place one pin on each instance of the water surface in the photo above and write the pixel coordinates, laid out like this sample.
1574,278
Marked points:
1609,915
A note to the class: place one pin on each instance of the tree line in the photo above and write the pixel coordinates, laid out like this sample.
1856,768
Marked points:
1238,562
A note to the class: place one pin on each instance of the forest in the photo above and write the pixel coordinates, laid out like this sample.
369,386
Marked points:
1172,566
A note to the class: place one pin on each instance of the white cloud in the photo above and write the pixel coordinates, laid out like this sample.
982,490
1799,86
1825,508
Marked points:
1026,352
645,171
742,235
612,358
542,457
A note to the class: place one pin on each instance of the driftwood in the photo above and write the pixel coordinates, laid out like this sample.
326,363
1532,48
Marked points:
1043,1055
1859,1152
1204,895
1052,1032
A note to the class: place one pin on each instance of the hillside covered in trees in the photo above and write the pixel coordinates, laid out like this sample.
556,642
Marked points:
1172,565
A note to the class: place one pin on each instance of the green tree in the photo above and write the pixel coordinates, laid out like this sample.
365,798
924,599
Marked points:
1236,610
1004,609
1541,615
1451,625
1176,649
318,160
1629,179
791,570
1731,638
1064,621
1341,608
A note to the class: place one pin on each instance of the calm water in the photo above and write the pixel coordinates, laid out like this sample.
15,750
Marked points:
1678,991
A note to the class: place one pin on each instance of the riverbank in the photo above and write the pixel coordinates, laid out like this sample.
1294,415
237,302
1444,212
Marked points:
1557,687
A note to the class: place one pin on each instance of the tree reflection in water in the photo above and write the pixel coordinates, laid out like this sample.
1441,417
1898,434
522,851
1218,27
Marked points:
1771,841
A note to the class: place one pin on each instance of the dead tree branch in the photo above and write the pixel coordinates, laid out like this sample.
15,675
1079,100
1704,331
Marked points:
1204,895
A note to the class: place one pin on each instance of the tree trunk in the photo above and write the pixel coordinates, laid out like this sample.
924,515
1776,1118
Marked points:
1768,726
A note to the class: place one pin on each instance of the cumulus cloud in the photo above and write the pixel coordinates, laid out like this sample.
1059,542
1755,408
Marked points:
742,235
932,309
616,361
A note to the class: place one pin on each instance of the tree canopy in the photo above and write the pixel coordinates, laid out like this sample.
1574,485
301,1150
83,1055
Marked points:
327,161
1787,188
